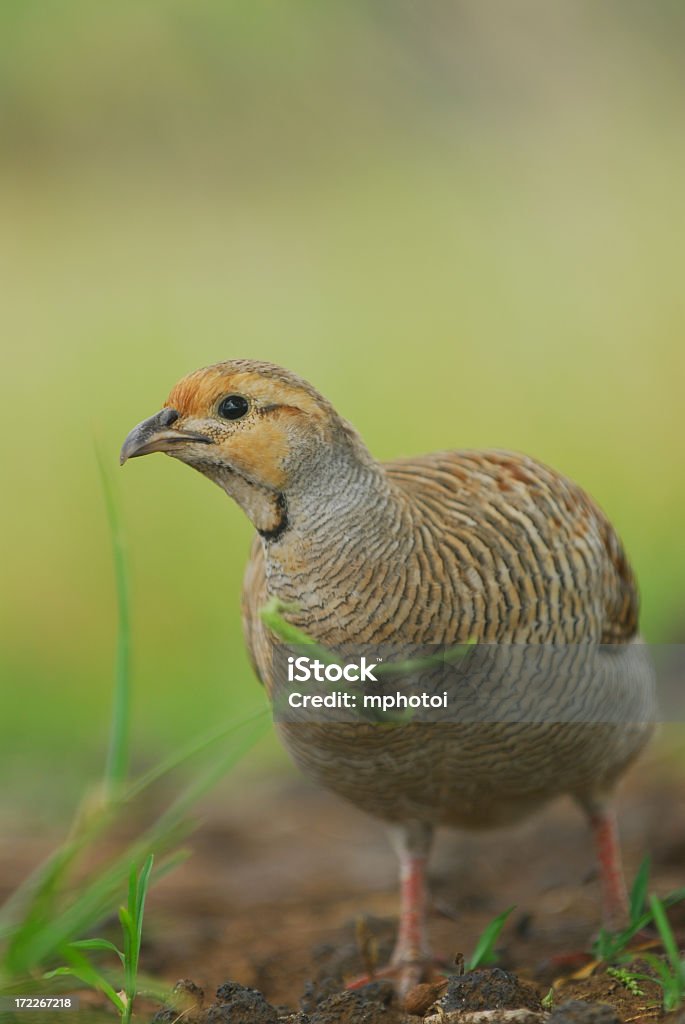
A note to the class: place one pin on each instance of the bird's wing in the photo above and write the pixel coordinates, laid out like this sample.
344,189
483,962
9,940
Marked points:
623,600
538,537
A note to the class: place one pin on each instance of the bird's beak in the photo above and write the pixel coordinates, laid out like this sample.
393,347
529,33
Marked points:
155,435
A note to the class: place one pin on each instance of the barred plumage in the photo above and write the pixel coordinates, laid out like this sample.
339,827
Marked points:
450,547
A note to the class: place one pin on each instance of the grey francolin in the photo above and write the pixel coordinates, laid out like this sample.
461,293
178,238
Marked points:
456,546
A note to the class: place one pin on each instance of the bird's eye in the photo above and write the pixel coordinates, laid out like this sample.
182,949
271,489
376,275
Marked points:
233,407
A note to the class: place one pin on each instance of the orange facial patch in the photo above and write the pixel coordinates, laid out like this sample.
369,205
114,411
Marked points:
262,453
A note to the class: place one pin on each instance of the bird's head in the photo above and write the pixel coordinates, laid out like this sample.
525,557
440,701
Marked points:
257,430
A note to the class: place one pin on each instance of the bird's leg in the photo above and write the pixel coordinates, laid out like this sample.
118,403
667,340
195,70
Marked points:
411,961
614,896
613,887
411,946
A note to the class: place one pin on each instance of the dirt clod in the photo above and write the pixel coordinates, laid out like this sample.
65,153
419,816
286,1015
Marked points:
355,1008
237,1004
577,1011
489,989
382,992
317,990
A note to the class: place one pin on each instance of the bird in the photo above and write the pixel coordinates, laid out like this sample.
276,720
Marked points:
488,548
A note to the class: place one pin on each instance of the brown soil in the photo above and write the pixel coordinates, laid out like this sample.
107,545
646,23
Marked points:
282,875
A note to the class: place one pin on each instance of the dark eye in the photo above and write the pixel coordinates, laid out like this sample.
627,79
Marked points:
233,407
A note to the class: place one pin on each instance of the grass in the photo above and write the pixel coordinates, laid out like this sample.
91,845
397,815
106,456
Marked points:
609,946
668,970
118,754
51,915
131,919
484,953
62,901
669,973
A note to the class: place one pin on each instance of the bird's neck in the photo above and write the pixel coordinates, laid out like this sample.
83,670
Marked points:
343,517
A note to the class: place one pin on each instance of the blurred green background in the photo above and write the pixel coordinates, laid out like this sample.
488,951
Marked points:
463,222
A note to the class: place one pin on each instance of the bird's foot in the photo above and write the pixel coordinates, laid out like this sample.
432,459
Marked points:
405,974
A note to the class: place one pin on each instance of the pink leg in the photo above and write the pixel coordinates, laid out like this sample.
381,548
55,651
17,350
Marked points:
412,943
613,889
613,886
411,961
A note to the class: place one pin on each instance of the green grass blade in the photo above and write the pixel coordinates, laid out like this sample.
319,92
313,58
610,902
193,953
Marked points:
95,899
638,892
190,750
665,932
37,888
83,909
37,892
658,966
128,930
99,944
484,953
91,979
132,922
672,983
80,967
116,768
271,615
132,894
205,782
143,884
32,901
609,944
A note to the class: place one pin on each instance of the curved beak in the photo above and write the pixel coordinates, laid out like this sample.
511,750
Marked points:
155,435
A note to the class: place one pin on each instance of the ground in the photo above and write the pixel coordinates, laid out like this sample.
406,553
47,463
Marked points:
284,879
